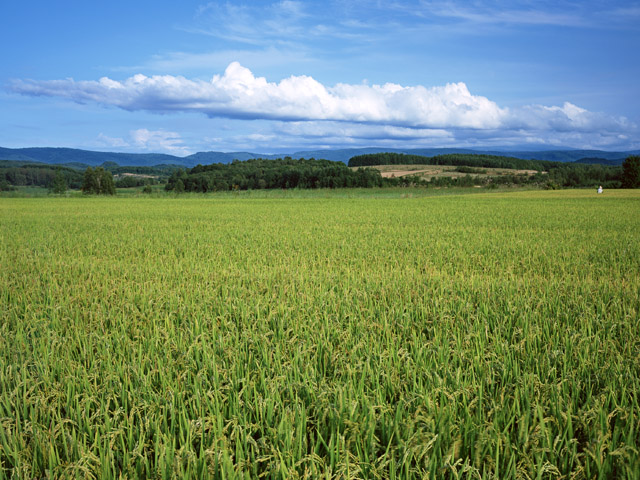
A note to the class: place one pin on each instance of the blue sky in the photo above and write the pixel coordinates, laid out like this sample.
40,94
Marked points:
275,77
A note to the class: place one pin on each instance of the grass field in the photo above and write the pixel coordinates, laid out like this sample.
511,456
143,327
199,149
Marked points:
493,335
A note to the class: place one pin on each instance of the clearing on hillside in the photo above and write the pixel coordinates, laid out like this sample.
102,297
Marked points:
428,172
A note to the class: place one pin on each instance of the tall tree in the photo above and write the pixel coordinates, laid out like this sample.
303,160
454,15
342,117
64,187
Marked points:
105,179
90,182
98,181
59,183
631,172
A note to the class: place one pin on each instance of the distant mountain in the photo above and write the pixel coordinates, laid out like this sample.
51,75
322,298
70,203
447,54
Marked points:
207,158
79,158
343,155
599,161
610,158
87,157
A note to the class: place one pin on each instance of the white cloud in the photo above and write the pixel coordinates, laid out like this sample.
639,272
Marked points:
568,118
159,140
299,111
358,131
337,135
113,142
146,140
241,95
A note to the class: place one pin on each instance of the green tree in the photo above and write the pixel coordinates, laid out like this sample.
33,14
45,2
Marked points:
105,180
5,186
98,182
631,172
59,183
90,182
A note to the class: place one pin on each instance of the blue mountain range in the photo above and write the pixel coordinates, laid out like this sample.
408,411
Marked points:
71,156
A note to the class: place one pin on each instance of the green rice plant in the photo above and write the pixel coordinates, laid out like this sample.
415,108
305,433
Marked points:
342,335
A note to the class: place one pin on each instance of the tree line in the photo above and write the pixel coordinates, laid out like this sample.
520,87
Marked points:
20,174
289,173
455,159
37,176
558,174
281,173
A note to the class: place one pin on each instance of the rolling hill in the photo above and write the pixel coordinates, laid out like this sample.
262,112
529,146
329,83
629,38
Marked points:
79,158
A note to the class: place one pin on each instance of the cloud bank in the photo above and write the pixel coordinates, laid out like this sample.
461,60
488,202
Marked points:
239,94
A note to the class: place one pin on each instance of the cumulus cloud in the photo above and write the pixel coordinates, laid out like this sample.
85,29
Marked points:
567,118
359,131
238,93
340,135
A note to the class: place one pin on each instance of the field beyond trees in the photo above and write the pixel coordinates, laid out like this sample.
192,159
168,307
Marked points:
427,172
492,335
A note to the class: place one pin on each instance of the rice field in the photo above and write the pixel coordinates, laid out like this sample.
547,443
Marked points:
493,335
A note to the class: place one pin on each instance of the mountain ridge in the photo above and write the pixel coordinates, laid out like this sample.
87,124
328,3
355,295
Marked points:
63,156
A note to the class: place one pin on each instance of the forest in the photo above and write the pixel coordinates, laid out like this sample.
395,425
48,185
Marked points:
455,159
287,173
23,174
557,174
13,174
281,173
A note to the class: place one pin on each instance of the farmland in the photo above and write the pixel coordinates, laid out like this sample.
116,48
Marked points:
331,335
427,172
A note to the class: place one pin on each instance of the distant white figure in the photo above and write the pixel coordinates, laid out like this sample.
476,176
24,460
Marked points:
600,189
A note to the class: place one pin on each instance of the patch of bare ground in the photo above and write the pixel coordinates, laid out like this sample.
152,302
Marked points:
137,175
430,171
